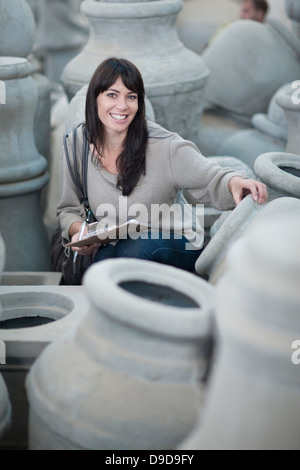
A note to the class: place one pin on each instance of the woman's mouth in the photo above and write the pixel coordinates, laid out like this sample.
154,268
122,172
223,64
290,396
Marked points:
119,117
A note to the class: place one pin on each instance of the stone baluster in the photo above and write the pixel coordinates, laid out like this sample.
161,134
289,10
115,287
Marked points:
145,33
17,16
253,397
5,406
23,171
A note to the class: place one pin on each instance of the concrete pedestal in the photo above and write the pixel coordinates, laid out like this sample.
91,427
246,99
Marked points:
23,172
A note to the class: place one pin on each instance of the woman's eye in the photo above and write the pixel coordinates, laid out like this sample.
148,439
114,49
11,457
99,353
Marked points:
111,95
132,97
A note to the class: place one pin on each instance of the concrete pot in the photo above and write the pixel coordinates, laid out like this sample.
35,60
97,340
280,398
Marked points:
33,316
131,377
212,261
280,171
249,83
253,399
146,34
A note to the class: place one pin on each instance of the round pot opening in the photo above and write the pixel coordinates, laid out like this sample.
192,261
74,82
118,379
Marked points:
291,170
159,294
31,309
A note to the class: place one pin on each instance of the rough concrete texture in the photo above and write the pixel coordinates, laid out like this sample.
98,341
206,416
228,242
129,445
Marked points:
140,362
253,399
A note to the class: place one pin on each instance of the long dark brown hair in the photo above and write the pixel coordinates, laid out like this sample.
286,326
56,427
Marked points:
131,162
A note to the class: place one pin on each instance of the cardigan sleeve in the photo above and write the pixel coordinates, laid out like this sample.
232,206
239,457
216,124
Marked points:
69,209
205,180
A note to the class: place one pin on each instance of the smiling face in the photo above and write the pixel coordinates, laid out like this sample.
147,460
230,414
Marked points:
117,107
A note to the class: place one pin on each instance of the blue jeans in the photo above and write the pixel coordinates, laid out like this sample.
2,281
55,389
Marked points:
171,251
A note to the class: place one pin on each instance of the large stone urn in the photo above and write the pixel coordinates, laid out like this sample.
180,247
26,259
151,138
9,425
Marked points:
145,33
253,398
23,171
243,62
132,375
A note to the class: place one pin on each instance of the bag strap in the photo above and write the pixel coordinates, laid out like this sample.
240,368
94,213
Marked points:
80,185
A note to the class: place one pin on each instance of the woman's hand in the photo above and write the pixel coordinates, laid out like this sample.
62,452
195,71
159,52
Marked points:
82,250
241,187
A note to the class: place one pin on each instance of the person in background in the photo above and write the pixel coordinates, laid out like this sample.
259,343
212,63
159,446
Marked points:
255,10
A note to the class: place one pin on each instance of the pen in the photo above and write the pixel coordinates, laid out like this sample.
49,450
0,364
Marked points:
76,252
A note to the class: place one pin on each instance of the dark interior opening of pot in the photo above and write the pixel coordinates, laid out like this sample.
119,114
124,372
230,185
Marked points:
158,293
31,309
291,170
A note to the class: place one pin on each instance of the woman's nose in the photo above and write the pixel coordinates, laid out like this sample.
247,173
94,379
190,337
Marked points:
122,102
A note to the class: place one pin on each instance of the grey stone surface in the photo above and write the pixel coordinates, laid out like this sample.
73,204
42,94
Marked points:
23,172
248,84
141,362
288,100
18,18
280,171
175,91
253,400
5,409
212,261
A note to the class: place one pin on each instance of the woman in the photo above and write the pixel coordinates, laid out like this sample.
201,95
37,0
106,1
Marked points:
135,167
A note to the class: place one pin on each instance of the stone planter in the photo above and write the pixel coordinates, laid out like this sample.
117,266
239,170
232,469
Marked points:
288,100
145,33
253,399
32,317
134,370
280,171
212,261
23,172
249,83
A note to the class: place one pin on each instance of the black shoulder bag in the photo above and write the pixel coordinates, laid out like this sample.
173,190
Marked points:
63,258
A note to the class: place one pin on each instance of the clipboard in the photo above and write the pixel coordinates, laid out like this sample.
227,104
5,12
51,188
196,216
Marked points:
109,234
